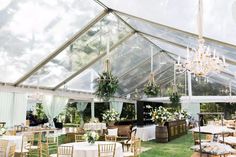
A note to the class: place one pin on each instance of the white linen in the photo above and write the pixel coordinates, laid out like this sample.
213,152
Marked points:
13,139
13,108
146,133
81,106
84,149
213,129
117,106
112,132
94,126
53,106
229,140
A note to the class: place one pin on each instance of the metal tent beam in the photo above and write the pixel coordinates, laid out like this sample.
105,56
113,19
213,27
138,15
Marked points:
179,45
62,47
175,29
93,61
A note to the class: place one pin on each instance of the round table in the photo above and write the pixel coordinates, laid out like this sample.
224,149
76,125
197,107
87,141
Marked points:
84,149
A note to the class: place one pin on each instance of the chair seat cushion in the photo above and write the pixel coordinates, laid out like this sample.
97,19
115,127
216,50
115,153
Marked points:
23,151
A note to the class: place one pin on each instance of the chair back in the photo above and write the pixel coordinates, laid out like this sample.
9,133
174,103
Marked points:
65,151
136,147
44,150
11,132
110,138
106,150
79,138
3,147
12,150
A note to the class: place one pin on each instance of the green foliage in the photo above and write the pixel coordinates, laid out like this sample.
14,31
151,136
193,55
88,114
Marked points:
151,89
128,111
40,113
175,99
106,85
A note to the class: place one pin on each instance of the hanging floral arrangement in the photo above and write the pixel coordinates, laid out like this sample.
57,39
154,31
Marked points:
175,98
106,84
151,88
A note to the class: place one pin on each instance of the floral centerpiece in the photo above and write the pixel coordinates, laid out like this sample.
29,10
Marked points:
3,130
91,137
160,115
110,116
181,115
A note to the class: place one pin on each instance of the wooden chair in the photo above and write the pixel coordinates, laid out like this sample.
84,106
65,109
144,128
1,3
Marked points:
63,151
25,145
106,150
52,144
12,150
11,132
79,138
44,150
135,149
196,138
110,138
3,147
128,142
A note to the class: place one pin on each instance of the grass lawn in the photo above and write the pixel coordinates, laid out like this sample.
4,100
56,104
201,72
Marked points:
179,147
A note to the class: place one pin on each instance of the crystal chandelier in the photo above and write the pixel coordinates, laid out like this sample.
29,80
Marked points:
202,60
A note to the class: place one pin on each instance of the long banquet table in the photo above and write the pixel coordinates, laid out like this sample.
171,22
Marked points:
84,149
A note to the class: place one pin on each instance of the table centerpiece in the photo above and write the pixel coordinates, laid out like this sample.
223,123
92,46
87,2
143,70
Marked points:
91,137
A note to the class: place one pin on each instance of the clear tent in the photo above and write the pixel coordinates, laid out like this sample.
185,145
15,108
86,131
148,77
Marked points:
63,43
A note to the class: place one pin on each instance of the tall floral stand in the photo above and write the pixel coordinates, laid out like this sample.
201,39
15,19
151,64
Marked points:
161,134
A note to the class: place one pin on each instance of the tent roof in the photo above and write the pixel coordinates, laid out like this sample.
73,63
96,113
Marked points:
62,44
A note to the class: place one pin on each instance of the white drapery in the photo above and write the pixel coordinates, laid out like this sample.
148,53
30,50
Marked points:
81,106
117,106
13,108
53,106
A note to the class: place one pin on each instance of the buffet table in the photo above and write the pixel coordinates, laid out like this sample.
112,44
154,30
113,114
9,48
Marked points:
84,149
146,133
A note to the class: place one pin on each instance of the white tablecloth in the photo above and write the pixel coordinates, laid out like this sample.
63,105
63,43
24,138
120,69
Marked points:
213,129
146,133
229,140
84,149
94,126
13,139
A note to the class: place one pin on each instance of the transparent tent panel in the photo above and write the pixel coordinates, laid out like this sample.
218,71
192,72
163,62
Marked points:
27,40
139,76
179,37
83,82
128,56
219,17
82,51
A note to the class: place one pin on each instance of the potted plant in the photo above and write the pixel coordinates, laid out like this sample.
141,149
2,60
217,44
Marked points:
151,88
160,116
110,117
106,84
91,137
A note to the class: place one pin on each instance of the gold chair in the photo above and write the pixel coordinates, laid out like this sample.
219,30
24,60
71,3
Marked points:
135,150
11,132
63,151
79,138
44,150
3,147
25,145
106,150
128,142
112,138
196,140
52,143
12,150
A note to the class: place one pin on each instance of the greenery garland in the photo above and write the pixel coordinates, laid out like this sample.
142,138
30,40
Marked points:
106,85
